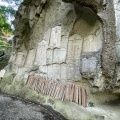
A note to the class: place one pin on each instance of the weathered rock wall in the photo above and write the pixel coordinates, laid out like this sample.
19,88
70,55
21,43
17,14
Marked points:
70,42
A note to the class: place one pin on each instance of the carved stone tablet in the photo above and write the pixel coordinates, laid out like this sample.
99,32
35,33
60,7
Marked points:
55,38
93,64
62,55
56,71
56,55
30,58
63,72
64,42
20,59
85,65
49,56
50,71
70,72
41,53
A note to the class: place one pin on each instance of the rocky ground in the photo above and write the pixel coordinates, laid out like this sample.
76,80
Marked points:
13,109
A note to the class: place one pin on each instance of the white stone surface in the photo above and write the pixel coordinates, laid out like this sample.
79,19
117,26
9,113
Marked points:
63,72
50,71
77,62
62,55
85,65
74,49
2,73
70,53
58,36
64,42
93,43
49,56
56,71
117,16
12,57
20,59
46,36
32,12
56,55
70,72
55,38
89,65
93,64
30,58
21,71
41,53
77,75
43,69
118,50
77,46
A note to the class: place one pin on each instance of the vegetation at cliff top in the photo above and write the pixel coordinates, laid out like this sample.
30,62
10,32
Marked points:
7,12
5,27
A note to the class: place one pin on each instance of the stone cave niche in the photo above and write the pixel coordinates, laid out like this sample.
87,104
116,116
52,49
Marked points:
89,29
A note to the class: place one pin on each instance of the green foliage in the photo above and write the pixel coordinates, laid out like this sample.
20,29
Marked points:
4,45
5,27
7,14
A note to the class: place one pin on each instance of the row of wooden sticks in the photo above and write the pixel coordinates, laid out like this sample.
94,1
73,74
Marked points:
72,93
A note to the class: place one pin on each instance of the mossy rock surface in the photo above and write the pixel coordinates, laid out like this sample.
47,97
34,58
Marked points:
3,63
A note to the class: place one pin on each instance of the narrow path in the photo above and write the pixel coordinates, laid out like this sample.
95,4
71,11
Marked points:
13,109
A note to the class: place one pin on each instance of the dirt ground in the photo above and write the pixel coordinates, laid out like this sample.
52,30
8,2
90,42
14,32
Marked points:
13,109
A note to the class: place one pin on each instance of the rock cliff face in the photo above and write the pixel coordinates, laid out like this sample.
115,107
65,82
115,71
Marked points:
70,42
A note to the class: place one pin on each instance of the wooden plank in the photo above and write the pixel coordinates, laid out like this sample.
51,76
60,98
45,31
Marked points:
30,81
63,95
36,77
37,88
43,90
46,87
84,97
49,85
75,94
40,83
36,83
57,92
72,93
80,96
54,88
67,96
51,88
33,82
61,92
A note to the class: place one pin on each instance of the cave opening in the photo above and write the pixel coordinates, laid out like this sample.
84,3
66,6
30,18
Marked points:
87,12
